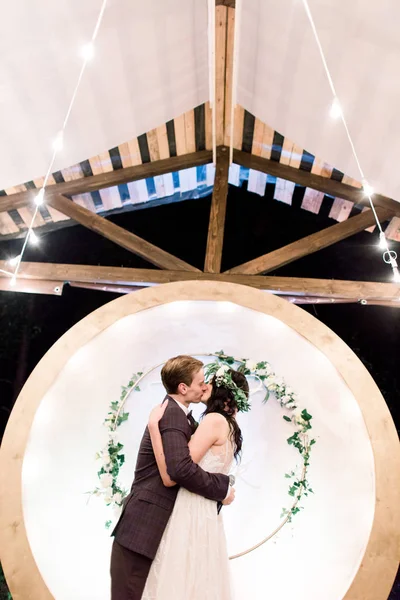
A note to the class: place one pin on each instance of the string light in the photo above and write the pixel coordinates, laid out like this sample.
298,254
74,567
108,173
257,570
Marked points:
367,188
13,261
39,199
336,110
383,245
33,238
389,256
87,54
88,51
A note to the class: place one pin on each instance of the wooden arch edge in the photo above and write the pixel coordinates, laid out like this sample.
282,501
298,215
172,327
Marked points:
379,565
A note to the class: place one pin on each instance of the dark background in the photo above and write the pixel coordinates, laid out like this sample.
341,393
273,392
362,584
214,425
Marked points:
30,324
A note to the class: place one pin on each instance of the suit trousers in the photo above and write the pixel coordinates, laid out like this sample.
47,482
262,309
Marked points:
129,571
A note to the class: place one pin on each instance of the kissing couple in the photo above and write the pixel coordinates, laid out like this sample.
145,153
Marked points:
169,542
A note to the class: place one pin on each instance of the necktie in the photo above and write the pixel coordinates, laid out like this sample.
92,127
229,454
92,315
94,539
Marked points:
193,424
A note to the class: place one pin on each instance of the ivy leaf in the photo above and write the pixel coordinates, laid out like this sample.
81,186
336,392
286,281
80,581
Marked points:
305,415
108,524
313,442
287,419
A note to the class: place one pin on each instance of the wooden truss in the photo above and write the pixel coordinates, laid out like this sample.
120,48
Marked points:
50,278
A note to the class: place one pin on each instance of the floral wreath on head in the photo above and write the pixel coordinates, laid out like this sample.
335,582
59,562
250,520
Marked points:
221,373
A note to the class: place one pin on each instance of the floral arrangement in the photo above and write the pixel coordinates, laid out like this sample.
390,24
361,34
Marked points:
112,458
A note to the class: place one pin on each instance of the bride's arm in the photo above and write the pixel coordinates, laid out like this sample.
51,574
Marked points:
211,429
156,442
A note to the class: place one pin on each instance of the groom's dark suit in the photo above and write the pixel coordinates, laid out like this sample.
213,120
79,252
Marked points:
149,505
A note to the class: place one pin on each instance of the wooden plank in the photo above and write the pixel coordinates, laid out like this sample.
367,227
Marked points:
238,127
190,131
105,180
221,15
180,135
152,141
118,235
130,153
316,182
267,142
282,285
299,300
55,214
230,34
32,286
7,224
258,137
216,225
228,3
208,125
310,244
393,230
341,209
162,138
110,196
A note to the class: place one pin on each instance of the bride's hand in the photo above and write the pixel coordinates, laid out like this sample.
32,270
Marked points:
156,414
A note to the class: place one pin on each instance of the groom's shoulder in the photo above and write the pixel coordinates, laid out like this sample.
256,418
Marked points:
173,412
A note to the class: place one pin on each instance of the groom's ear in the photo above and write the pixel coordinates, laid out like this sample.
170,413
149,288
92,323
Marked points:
182,389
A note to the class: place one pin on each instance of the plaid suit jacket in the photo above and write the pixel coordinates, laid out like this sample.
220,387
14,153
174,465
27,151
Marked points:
149,505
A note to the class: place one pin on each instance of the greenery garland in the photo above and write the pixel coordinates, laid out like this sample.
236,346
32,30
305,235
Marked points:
112,457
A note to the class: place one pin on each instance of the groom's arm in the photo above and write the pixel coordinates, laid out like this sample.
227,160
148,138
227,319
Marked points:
183,470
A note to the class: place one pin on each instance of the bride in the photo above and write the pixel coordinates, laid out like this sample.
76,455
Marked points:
192,560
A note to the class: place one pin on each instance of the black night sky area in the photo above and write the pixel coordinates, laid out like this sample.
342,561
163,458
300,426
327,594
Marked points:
30,324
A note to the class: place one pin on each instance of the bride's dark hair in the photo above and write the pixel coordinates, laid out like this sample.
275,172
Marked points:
222,401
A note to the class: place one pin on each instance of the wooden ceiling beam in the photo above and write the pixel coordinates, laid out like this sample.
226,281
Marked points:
216,225
315,182
365,290
118,235
112,178
310,244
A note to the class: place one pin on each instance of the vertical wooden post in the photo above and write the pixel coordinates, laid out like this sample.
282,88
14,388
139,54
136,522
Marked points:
216,226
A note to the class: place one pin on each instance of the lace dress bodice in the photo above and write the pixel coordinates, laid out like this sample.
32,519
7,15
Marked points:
218,459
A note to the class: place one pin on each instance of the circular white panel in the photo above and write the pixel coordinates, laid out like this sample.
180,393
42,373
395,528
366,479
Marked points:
321,550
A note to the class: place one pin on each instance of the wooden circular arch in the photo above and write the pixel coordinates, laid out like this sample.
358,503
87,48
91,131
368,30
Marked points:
378,568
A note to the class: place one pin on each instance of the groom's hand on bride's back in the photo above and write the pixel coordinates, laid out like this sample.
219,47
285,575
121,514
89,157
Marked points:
230,498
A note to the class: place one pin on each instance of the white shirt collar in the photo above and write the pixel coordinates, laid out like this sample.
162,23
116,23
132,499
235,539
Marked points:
182,406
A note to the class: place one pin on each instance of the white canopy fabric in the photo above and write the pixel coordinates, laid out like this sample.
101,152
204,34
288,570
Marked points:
283,83
151,65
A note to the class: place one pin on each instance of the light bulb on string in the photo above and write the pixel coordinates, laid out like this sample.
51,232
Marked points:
59,141
39,197
14,260
87,51
367,188
336,110
396,275
33,238
383,245
13,281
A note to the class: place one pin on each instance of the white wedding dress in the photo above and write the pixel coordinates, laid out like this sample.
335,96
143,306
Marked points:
192,560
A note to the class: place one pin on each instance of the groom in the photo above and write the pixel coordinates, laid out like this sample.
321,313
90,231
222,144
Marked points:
149,505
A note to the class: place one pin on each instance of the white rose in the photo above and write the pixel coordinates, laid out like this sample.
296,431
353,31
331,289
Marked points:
105,459
251,365
108,496
222,370
289,390
112,435
264,372
106,480
116,511
117,498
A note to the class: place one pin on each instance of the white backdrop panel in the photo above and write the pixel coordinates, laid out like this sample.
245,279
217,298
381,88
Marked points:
323,547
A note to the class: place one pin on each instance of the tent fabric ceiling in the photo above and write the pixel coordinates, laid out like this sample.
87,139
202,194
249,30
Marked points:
282,80
151,65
